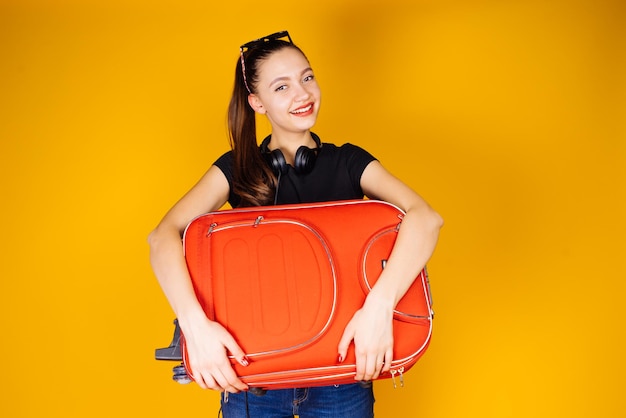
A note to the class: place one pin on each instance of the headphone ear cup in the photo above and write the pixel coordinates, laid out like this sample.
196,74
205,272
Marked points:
304,160
276,161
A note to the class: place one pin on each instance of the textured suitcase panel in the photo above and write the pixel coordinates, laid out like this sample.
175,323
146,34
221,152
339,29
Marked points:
285,281
278,283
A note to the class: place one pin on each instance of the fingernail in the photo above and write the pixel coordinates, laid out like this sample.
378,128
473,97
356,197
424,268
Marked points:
340,358
244,361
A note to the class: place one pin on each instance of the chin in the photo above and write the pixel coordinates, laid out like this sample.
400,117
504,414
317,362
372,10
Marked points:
306,125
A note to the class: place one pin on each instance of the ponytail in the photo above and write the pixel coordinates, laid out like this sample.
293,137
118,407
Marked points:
253,179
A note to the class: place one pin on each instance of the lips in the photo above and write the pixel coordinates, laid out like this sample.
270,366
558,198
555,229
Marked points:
305,110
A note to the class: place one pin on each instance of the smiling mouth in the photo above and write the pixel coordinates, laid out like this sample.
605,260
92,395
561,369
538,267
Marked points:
302,110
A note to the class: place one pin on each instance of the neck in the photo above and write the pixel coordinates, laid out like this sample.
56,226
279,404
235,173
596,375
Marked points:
289,143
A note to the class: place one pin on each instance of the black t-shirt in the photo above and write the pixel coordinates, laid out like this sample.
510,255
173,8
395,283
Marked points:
335,176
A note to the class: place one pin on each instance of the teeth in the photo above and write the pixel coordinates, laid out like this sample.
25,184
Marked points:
303,110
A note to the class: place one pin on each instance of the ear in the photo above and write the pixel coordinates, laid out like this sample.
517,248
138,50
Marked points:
255,104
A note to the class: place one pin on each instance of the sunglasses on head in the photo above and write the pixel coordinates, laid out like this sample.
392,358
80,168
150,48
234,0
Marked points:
284,35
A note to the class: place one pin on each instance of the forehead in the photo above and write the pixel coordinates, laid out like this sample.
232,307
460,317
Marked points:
282,63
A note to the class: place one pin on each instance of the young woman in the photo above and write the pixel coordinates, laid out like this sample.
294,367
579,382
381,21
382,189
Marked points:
274,78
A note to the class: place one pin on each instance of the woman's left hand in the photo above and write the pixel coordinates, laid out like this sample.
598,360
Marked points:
371,329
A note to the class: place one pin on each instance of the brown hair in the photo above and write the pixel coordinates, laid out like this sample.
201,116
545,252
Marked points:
253,179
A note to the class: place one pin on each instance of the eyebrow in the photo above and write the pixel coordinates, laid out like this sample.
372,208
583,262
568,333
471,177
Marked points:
277,79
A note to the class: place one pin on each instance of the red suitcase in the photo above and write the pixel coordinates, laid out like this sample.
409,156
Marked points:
285,280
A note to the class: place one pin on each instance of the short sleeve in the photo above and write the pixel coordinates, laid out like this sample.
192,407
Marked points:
226,163
357,159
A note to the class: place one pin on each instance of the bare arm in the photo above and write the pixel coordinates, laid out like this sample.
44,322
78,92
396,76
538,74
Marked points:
371,327
207,341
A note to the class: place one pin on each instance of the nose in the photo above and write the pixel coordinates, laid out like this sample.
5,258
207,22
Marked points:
301,93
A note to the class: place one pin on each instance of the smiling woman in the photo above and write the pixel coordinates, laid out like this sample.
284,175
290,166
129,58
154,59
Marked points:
274,78
288,94
280,84
507,115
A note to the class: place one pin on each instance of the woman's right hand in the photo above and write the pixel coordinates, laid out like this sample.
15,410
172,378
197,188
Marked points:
208,344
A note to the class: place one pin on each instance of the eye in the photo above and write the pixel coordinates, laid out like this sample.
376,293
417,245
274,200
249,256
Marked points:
308,78
281,87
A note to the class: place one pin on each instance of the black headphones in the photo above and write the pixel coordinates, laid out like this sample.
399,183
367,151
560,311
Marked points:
303,162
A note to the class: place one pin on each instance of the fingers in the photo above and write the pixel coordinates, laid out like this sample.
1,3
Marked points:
240,356
373,355
344,343
369,365
209,362
236,351
220,377
388,360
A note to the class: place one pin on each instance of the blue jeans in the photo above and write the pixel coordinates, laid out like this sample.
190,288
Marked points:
342,401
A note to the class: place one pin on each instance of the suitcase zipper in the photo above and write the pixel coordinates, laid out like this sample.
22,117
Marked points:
399,371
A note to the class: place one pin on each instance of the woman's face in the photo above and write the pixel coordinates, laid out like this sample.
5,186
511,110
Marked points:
287,92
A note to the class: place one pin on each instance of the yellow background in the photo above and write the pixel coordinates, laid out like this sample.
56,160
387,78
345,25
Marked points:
508,116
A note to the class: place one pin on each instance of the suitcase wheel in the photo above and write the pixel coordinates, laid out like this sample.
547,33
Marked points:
180,375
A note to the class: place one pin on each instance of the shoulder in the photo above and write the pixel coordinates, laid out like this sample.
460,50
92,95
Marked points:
343,149
226,158
347,152
225,163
